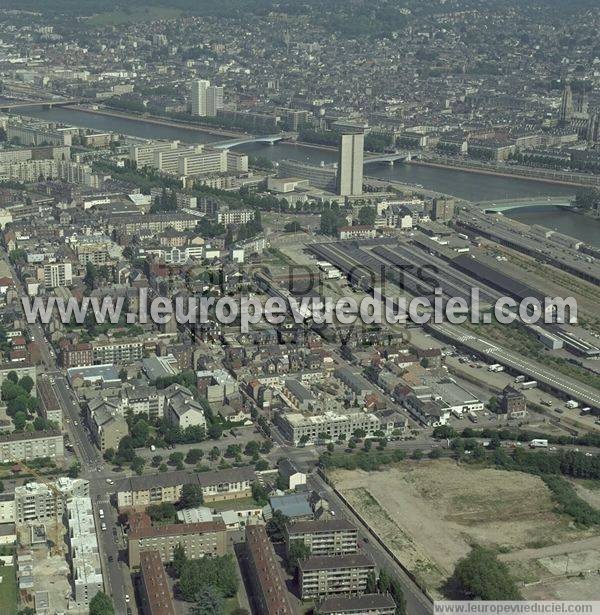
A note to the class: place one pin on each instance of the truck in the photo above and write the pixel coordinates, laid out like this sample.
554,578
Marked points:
472,417
496,367
538,443
572,404
530,384
520,379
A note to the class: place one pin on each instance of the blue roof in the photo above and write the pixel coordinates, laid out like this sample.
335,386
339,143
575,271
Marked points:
292,505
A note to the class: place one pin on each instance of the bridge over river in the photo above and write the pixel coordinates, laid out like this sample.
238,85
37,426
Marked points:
531,202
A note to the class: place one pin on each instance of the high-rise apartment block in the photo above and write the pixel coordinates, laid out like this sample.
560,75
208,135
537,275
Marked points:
350,165
206,99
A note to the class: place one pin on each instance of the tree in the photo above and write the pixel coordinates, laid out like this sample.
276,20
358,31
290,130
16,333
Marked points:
259,493
209,601
384,581
215,431
276,526
214,453
180,559
191,496
480,575
371,583
74,469
12,376
101,604
298,552
91,274
19,420
261,465
26,383
162,512
140,433
137,465
176,458
194,455
292,227
417,454
218,572
367,215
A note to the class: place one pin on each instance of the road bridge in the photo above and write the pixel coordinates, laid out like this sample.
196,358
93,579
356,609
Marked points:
533,202
46,104
270,139
403,156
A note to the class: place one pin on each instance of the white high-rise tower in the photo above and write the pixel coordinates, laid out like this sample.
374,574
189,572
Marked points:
350,165
199,89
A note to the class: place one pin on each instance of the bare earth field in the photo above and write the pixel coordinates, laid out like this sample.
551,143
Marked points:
429,513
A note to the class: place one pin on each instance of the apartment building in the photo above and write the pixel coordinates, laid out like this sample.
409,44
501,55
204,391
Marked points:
367,604
155,592
325,575
117,351
235,216
181,409
138,492
143,155
37,133
40,502
198,539
107,424
268,586
299,428
77,355
143,400
237,162
95,252
22,446
58,274
84,557
329,537
202,163
152,223
7,508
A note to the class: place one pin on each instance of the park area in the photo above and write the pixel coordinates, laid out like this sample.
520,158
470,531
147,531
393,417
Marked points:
431,512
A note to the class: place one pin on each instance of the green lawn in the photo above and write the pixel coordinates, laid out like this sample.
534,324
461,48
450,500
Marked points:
135,15
231,604
8,590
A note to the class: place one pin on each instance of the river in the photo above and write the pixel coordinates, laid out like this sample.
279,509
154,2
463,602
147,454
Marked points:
469,186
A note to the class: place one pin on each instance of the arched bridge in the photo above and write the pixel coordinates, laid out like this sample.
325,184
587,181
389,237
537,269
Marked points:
271,139
533,202
403,155
26,104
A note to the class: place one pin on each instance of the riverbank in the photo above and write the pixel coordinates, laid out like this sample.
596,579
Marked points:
160,121
495,173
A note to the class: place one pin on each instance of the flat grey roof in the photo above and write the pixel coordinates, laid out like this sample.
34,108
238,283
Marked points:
332,562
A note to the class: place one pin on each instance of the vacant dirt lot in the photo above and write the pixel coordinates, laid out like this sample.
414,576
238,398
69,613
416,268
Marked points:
430,513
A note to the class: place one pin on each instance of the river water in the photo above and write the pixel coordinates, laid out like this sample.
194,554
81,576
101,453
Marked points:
470,186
